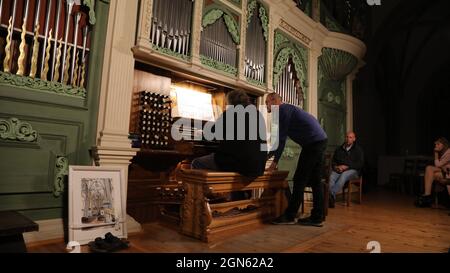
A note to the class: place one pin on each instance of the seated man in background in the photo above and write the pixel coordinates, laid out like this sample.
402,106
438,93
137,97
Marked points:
348,160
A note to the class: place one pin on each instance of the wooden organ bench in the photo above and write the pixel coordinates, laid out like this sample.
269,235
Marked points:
206,217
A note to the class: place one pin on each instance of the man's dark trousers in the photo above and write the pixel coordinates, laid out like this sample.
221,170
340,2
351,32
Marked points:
309,173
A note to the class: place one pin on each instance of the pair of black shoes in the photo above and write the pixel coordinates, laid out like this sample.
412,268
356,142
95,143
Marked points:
111,243
424,201
309,221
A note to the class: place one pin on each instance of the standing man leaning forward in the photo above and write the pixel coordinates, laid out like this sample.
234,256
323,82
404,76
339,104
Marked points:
305,130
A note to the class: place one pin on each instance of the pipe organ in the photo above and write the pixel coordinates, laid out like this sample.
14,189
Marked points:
171,25
288,86
156,186
212,47
255,50
46,40
217,43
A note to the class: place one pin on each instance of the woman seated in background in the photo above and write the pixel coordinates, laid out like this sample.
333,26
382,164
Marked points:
440,172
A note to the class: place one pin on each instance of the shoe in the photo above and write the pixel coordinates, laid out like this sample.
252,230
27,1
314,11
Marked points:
310,222
423,201
115,243
331,201
284,220
111,243
99,246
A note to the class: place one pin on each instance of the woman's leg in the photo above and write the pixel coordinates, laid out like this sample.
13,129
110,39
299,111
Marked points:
431,173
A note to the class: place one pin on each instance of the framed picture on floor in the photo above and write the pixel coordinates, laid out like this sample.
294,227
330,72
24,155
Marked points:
96,203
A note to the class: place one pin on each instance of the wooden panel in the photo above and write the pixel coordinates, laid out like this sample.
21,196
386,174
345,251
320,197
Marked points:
66,125
206,221
29,201
43,214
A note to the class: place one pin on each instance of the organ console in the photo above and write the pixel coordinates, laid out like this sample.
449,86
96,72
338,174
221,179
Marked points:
156,186
160,99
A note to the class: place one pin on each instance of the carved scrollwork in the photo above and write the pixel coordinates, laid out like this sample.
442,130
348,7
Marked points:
211,17
90,5
62,170
48,86
214,14
16,130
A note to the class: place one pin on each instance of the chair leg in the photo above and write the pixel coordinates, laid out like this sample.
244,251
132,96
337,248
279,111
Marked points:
360,192
349,196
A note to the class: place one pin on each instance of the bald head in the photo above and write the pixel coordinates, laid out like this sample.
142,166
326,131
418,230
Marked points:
350,138
273,99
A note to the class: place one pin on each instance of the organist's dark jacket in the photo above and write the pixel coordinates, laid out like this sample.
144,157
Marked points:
242,156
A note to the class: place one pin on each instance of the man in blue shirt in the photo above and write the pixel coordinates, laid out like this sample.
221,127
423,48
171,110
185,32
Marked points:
305,130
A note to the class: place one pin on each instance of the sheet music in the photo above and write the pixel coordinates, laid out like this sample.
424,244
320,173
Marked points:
193,104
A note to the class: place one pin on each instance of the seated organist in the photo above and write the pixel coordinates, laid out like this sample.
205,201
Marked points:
240,148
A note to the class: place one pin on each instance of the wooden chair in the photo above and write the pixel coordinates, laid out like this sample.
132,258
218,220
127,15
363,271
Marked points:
348,186
438,187
401,181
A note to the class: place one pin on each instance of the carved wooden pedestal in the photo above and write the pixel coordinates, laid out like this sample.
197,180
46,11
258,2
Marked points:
205,217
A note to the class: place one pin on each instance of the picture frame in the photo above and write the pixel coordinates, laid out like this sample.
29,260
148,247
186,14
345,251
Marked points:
97,203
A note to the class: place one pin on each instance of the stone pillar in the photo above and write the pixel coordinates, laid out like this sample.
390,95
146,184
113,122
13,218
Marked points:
270,54
313,88
241,46
113,146
196,32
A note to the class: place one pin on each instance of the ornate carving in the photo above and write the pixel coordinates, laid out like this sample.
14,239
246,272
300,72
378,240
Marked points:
279,40
196,31
169,52
211,17
90,4
232,27
16,130
187,215
52,87
255,82
281,61
146,18
250,9
271,52
302,37
337,64
284,48
214,14
218,65
264,21
62,170
196,215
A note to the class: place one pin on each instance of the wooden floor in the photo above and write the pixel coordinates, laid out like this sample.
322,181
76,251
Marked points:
388,218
